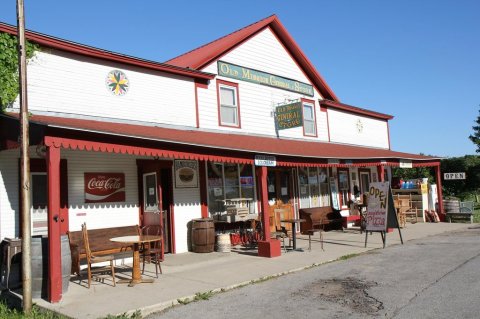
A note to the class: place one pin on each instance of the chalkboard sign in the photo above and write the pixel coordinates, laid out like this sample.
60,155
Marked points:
381,212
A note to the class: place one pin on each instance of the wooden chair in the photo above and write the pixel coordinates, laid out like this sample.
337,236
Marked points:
281,230
153,248
92,259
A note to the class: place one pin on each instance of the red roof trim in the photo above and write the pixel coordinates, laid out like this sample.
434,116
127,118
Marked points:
204,55
85,50
354,109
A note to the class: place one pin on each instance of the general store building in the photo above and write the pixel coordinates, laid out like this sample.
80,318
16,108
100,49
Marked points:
117,140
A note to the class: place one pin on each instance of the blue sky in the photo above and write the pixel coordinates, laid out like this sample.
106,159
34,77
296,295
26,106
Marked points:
416,60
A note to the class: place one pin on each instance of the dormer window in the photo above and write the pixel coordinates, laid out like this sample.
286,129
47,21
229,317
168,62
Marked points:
228,104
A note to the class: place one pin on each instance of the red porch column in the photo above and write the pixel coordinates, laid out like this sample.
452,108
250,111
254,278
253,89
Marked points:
267,247
54,248
203,189
381,173
438,176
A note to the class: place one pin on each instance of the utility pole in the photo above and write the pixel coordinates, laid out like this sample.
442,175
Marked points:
24,164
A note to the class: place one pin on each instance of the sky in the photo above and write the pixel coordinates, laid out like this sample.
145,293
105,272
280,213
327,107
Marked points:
416,60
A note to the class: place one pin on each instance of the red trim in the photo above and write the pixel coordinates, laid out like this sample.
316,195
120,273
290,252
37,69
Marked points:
64,218
261,173
342,169
54,221
439,188
356,110
305,101
203,189
206,54
381,173
84,50
234,85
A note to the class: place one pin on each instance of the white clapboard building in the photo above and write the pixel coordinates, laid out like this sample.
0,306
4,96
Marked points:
239,126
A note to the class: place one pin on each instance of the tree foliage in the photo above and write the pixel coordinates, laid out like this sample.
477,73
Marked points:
475,137
9,86
470,164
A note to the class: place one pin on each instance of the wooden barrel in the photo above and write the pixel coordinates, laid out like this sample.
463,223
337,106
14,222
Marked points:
223,243
451,205
66,263
39,247
203,235
40,265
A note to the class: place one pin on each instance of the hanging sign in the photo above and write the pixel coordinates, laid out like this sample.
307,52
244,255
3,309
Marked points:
289,116
104,187
453,176
405,164
265,160
250,75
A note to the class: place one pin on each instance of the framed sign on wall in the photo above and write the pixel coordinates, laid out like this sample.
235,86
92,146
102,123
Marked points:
104,187
186,174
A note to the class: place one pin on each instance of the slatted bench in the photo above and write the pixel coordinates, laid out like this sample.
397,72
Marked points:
100,244
319,219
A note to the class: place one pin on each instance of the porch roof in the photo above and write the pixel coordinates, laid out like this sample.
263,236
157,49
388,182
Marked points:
291,152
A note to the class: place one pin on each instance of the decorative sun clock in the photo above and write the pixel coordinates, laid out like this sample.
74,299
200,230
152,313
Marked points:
117,83
359,126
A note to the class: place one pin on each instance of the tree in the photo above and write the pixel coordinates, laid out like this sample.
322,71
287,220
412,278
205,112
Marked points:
475,138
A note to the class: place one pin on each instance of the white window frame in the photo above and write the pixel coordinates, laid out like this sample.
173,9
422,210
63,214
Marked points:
235,106
313,120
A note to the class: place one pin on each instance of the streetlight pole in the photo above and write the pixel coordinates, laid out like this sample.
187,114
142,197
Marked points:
24,163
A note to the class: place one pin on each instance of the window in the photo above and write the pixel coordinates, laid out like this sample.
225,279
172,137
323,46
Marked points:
314,190
309,128
343,186
150,194
227,181
228,104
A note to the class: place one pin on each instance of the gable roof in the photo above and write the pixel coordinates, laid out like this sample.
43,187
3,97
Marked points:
204,55
69,46
358,110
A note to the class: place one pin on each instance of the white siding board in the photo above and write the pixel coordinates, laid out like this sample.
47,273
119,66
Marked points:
9,197
101,215
343,129
187,207
68,83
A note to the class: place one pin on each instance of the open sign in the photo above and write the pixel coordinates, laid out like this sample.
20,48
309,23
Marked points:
453,176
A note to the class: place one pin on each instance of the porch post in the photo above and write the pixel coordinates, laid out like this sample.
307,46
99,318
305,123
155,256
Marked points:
439,188
54,248
267,247
203,189
381,173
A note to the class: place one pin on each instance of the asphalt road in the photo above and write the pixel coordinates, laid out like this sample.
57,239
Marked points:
435,277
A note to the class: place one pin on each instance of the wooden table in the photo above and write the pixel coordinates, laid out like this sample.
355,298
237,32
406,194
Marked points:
294,222
135,241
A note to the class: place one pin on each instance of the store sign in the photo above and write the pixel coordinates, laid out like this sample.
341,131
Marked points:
104,187
405,164
265,160
186,174
377,206
245,74
289,116
454,176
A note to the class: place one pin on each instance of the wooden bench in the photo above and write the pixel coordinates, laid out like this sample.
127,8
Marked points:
319,219
461,215
100,244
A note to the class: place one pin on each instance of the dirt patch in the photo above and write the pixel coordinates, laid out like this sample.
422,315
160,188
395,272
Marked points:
346,292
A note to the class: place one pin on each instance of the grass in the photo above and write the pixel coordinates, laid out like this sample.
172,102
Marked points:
8,312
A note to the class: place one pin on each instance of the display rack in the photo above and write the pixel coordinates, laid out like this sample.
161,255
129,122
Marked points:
417,203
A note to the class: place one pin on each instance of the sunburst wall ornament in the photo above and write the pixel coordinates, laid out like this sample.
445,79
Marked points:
359,126
117,82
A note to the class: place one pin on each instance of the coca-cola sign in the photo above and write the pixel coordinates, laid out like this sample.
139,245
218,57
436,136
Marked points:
104,187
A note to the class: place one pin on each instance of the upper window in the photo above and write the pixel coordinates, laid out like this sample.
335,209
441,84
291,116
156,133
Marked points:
309,127
228,104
